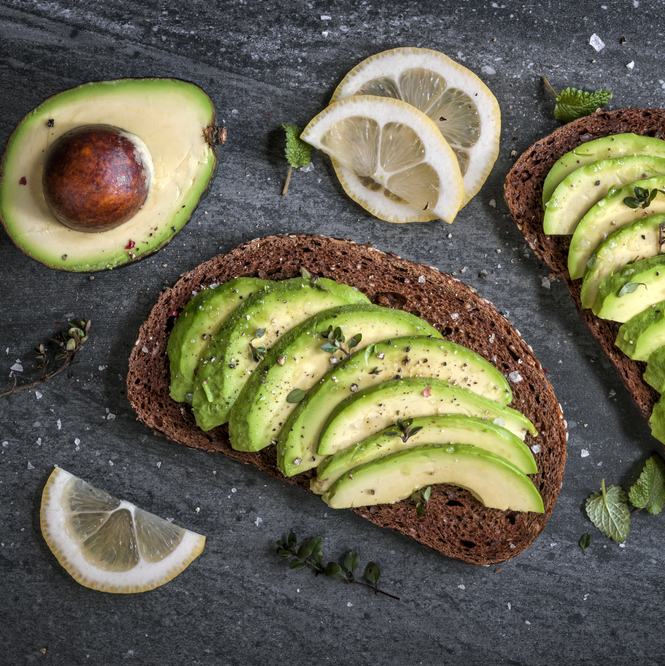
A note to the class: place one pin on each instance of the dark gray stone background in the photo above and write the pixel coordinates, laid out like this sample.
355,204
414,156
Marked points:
264,63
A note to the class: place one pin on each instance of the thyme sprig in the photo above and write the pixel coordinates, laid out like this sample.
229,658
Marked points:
643,197
68,344
311,555
404,430
422,498
336,340
316,281
258,353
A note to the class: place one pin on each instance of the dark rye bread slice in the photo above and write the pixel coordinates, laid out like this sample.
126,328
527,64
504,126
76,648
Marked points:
456,524
523,194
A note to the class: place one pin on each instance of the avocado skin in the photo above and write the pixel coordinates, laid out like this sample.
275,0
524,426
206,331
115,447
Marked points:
488,477
654,375
618,145
203,315
247,427
119,250
643,333
648,275
228,364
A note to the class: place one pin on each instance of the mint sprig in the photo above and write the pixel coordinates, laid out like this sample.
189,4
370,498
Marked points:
572,103
609,511
298,153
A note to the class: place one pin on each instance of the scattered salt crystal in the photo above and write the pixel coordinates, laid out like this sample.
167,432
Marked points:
421,279
612,393
492,338
39,441
59,424
584,453
586,596
30,466
461,587
144,350
631,64
233,490
509,606
499,421
111,463
536,448
454,316
325,17
597,42
17,367
36,424
545,283
38,395
527,622
486,69
325,33
493,203
159,465
110,417
234,112
102,367
621,545
515,376
512,545
349,604
258,521
5,443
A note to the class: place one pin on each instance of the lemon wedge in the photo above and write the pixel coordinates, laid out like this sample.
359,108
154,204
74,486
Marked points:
454,98
109,544
396,151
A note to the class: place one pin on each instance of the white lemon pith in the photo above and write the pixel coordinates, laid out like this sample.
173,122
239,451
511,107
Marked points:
397,147
108,544
454,98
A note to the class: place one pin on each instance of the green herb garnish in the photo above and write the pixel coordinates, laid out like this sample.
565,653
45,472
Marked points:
296,396
649,490
405,430
336,340
67,345
258,353
630,287
316,281
311,556
572,103
422,497
643,197
585,542
298,153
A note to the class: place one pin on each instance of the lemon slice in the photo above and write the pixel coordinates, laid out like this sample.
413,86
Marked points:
462,106
397,150
109,544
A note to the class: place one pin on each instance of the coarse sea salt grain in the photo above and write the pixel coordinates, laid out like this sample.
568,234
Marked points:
17,367
486,69
545,283
584,453
597,42
515,376
38,395
536,448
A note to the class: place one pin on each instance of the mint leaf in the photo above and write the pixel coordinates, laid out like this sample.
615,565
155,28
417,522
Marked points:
608,511
649,490
630,287
298,152
572,103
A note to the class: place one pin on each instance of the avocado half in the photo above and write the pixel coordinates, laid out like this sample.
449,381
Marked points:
175,119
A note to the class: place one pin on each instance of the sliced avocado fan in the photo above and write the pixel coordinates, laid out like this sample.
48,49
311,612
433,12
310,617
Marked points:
641,335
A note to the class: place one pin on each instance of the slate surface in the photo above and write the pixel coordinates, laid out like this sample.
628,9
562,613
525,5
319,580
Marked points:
264,63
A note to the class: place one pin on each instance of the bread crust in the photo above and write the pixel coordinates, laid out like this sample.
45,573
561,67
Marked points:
455,524
523,193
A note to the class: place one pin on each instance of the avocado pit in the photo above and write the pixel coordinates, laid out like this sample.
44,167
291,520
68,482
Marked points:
96,177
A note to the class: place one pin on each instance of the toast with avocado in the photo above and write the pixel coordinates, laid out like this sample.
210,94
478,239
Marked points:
456,523
604,292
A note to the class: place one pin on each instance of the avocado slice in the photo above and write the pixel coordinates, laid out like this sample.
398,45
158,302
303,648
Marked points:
657,420
608,216
491,479
641,335
228,363
583,188
655,372
375,408
630,291
407,357
175,120
263,405
199,320
447,429
638,240
619,145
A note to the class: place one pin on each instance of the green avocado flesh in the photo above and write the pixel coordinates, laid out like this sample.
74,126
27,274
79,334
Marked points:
657,420
632,290
450,429
170,117
375,408
608,216
641,335
199,320
578,192
639,240
619,145
655,372
407,357
492,480
228,363
263,407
